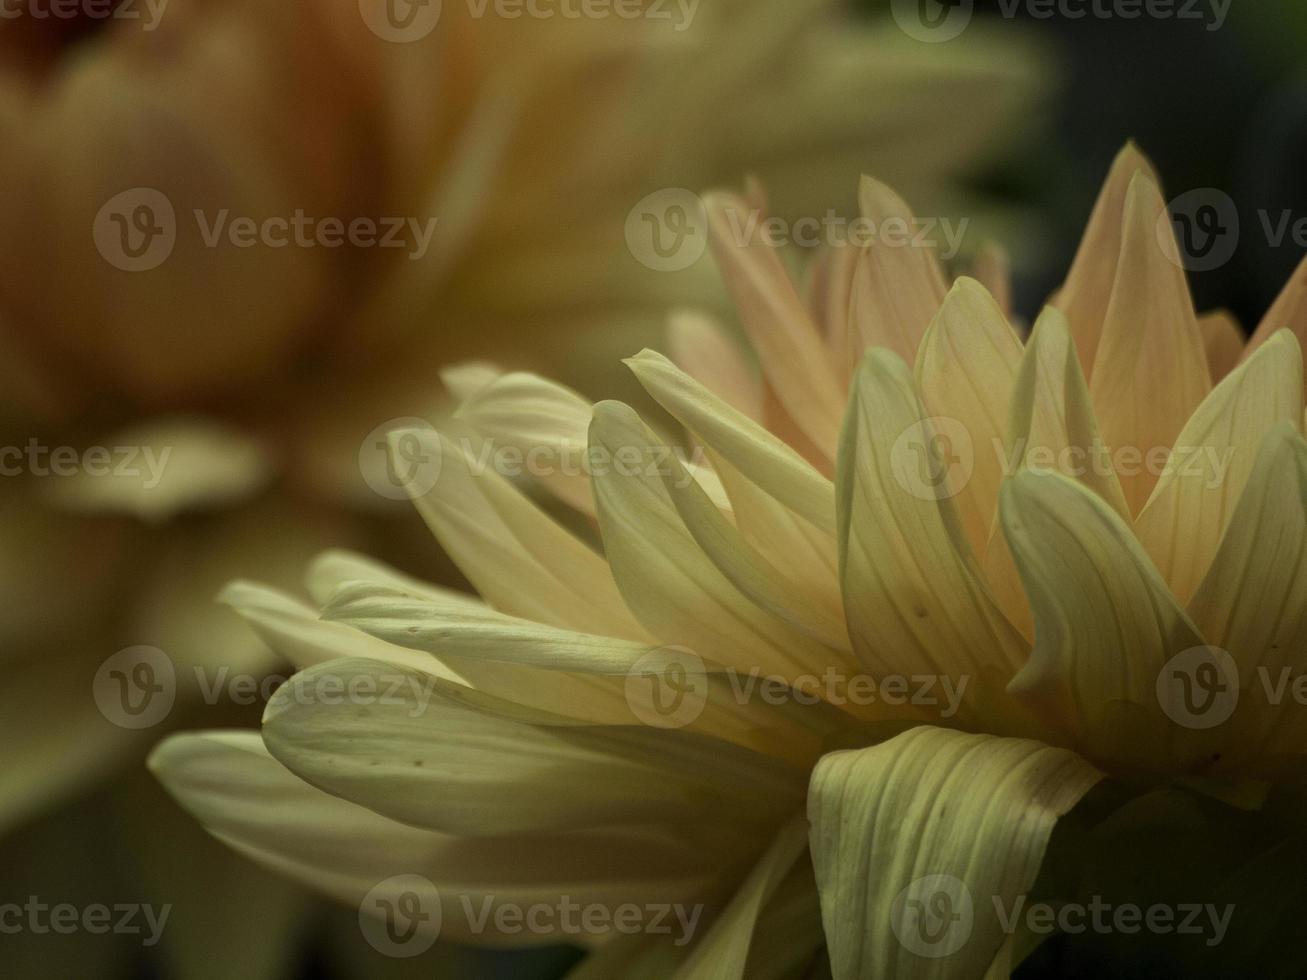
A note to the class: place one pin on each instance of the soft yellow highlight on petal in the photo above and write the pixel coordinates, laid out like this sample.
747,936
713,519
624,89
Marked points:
897,284
1088,288
928,816
966,368
782,331
1182,524
1150,372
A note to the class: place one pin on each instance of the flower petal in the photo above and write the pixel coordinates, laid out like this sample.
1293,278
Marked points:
670,584
966,368
410,747
702,348
519,559
1288,312
1085,295
914,599
1253,600
543,421
1224,341
1150,371
756,453
1182,524
248,800
932,824
897,286
778,324
1105,624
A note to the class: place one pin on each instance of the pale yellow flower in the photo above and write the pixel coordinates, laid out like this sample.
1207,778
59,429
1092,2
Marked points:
587,728
261,370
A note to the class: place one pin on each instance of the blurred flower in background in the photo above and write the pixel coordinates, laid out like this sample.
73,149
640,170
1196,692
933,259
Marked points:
239,237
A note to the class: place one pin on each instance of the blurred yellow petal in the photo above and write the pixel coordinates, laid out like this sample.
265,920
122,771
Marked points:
700,347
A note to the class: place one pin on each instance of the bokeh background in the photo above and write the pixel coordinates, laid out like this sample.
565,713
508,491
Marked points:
266,371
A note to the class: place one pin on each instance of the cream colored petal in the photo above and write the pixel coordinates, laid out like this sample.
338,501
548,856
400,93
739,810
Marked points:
336,566
1253,600
897,285
1085,295
588,679
701,347
544,423
913,596
919,842
1223,338
161,469
1288,312
668,581
757,454
1182,524
1150,371
295,631
521,561
417,753
723,954
966,368
779,326
1105,624
810,605
1050,425
248,800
